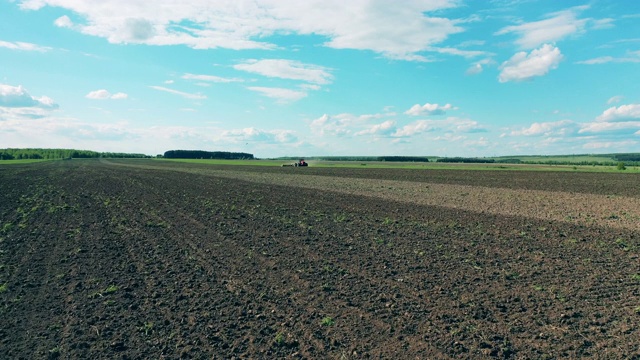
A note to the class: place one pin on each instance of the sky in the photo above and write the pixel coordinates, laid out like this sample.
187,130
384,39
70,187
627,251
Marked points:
277,78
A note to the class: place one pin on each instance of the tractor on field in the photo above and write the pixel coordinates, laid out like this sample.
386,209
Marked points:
301,162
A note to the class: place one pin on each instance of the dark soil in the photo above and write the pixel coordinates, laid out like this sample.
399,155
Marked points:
104,261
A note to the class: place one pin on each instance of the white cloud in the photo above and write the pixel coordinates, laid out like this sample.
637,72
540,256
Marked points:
458,52
606,23
309,87
615,99
119,96
429,109
287,69
103,94
281,94
63,22
632,57
449,137
624,128
629,112
598,60
210,78
337,125
16,104
523,66
183,94
478,66
400,31
384,128
621,145
562,127
98,94
415,128
451,124
23,46
475,69
18,97
557,26
257,135
465,125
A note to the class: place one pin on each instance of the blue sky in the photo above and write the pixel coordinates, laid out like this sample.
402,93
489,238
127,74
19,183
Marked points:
288,77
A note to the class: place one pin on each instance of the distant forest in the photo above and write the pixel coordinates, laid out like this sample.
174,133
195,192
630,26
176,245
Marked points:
200,154
466,160
627,157
50,154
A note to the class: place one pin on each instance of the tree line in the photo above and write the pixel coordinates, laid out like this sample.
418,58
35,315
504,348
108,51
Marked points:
627,157
51,154
466,160
200,154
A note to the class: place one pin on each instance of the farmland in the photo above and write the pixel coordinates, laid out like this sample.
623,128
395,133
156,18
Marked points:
150,259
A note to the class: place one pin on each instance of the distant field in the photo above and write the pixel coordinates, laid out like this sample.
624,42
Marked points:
25,161
547,163
564,158
413,165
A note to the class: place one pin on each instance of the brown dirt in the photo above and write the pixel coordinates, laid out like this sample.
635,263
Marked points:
158,260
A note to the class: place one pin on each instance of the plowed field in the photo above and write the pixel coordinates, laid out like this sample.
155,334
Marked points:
151,259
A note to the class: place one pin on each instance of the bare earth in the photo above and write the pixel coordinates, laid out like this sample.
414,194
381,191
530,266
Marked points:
578,208
162,260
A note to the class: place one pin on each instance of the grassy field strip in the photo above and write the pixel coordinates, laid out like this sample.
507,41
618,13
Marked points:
585,209
412,165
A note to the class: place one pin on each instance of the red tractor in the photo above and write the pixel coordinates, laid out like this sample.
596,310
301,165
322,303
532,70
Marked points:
301,162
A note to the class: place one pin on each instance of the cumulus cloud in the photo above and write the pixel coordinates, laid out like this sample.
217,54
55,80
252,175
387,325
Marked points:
63,22
478,66
632,57
18,97
451,124
557,26
17,104
400,31
429,109
629,112
176,92
624,128
281,94
523,66
257,135
23,46
287,69
621,145
346,124
598,60
385,128
615,99
210,78
103,94
474,69
415,128
119,96
562,127
330,125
